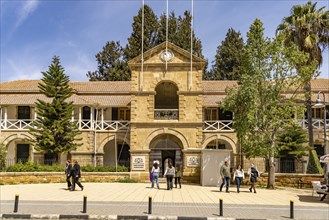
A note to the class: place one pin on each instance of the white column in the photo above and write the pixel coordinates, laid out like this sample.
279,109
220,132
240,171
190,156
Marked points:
92,118
102,118
79,117
72,119
6,118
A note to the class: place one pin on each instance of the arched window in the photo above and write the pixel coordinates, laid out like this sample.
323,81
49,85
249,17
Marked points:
166,101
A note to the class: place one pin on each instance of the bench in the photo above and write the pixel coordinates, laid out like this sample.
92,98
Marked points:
324,194
307,180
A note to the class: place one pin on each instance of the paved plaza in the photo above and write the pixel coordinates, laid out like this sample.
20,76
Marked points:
110,200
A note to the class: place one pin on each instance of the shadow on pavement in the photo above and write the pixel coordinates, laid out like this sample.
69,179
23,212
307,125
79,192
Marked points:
312,199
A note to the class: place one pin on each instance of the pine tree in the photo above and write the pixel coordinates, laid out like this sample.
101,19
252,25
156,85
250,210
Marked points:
150,36
53,130
226,65
111,65
291,141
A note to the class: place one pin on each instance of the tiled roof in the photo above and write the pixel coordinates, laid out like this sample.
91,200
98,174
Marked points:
109,93
30,99
79,87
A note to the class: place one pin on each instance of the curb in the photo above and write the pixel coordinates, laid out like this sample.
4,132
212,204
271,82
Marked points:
108,217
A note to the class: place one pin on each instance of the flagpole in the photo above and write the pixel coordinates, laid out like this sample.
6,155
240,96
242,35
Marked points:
142,63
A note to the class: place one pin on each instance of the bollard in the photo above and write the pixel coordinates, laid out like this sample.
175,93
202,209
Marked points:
291,209
84,210
150,205
220,207
16,203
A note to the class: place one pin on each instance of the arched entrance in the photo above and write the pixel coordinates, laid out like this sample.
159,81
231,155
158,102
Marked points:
165,148
119,154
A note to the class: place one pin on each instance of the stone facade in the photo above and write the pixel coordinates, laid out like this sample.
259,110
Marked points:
166,112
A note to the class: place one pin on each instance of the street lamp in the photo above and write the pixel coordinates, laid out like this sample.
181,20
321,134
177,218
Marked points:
320,104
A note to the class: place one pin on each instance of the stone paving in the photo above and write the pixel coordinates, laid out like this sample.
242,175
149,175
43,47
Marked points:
107,199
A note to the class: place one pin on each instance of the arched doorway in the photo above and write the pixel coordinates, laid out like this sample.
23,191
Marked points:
165,148
119,155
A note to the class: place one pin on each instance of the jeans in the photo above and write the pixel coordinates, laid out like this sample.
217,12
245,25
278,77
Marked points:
238,181
156,178
226,181
169,182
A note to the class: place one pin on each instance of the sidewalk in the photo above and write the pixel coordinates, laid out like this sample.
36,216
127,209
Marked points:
112,199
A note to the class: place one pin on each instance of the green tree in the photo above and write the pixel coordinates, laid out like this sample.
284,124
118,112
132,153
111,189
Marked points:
257,103
172,28
53,130
3,156
150,35
291,140
111,64
308,28
226,65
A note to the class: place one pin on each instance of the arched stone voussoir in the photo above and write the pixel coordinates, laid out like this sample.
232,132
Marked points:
220,137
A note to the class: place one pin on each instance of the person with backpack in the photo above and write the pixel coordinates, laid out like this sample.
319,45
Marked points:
253,175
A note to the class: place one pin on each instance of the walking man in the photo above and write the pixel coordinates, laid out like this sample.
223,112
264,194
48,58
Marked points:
225,175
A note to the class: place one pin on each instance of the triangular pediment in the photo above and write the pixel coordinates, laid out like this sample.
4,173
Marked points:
156,56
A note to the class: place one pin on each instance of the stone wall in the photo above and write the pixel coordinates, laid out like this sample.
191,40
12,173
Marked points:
285,180
57,177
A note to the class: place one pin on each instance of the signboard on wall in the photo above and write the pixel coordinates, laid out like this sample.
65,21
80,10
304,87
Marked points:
138,163
193,161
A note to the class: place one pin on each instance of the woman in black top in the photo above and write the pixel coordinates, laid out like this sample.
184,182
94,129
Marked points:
253,175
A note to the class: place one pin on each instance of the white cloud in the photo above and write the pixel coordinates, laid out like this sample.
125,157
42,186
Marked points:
27,8
23,72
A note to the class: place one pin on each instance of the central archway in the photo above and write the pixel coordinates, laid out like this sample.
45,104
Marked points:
164,148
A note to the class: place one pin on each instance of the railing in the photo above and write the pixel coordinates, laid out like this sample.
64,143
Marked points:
223,125
25,124
316,123
159,114
166,114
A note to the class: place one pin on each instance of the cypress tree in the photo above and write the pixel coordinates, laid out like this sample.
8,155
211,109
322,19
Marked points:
226,65
53,130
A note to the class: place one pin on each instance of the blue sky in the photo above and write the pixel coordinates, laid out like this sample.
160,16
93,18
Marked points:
33,31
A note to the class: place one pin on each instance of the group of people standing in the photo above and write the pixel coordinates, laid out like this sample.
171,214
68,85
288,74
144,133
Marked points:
238,177
170,173
74,172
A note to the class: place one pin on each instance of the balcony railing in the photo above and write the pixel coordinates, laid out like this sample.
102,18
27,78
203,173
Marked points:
166,114
107,125
223,125
17,124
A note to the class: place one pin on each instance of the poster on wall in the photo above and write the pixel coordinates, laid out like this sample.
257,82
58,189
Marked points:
193,161
138,163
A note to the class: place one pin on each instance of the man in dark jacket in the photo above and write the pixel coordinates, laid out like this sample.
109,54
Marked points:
76,174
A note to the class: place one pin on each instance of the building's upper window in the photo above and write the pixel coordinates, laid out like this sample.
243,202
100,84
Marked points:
122,114
166,96
166,102
24,112
211,114
86,113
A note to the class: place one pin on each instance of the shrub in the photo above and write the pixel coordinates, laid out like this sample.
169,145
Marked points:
127,180
3,154
314,165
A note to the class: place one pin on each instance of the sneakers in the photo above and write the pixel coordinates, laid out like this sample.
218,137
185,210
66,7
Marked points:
81,188
250,189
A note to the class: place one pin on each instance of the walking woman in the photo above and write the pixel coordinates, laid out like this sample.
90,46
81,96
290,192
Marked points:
253,175
155,174
238,176
169,174
178,175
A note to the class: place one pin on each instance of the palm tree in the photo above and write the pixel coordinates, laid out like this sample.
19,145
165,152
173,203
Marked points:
308,28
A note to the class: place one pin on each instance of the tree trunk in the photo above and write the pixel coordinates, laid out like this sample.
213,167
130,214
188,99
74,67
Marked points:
271,173
307,89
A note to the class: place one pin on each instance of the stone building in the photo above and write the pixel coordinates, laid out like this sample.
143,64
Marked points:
166,112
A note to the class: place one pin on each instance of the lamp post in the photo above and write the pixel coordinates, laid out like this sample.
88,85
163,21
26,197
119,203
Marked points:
320,104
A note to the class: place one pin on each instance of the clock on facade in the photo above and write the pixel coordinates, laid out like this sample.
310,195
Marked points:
166,55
